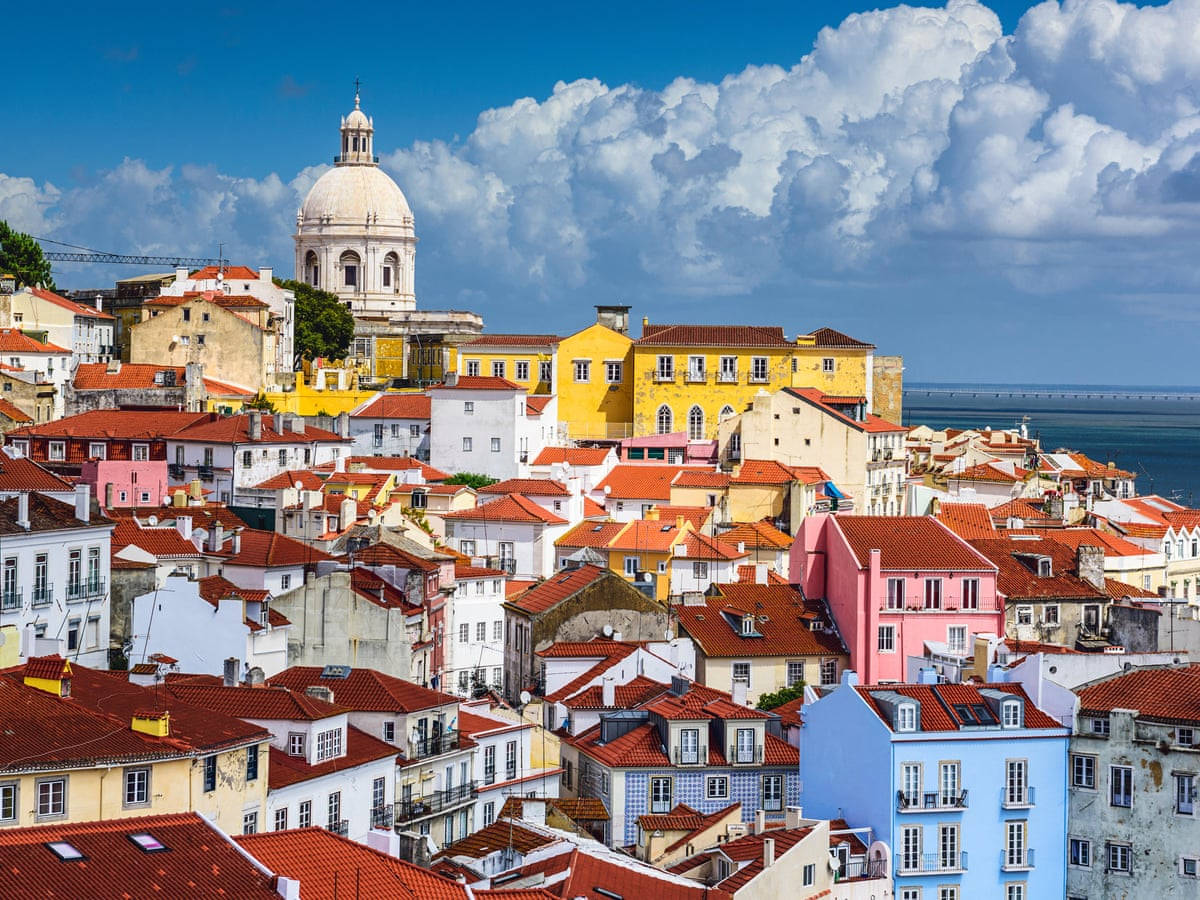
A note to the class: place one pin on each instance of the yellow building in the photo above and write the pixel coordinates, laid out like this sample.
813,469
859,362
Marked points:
530,360
834,363
595,398
65,759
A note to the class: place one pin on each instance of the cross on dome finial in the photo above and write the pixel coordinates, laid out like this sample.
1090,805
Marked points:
356,83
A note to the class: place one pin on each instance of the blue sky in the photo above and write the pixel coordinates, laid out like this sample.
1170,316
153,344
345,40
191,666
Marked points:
942,181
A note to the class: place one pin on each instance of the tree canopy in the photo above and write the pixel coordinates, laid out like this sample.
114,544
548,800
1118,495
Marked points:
781,696
21,256
324,327
471,479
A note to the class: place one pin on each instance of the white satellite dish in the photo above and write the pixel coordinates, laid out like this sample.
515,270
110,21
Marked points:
668,635
153,520
608,630
526,696
835,864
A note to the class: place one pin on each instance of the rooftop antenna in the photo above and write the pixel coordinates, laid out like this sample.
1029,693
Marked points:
221,262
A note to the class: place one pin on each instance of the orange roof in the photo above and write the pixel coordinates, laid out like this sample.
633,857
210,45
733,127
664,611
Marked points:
630,482
1111,544
395,406
703,547
509,508
365,690
768,471
118,424
557,588
294,478
1017,580
361,748
827,337
1169,694
967,520
572,456
538,487
908,543
756,535
590,534
536,404
592,509
12,413
937,700
236,430
478,383
79,309
701,478
265,702
782,626
828,404
713,336
22,474
1119,590
697,515
14,341
161,541
647,536
231,273
329,866
387,464
1025,508
987,472
268,549
512,340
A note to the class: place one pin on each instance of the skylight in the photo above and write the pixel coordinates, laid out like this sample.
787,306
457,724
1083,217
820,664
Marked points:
332,671
148,843
65,851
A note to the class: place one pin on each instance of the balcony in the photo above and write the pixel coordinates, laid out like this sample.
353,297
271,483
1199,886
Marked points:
205,473
177,471
929,801
727,377
1016,798
696,377
431,804
42,595
382,817
744,756
85,589
11,599
1016,860
341,827
859,869
931,863
690,757
664,377
432,746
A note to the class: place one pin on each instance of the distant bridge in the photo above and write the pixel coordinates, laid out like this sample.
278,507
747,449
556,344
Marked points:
989,392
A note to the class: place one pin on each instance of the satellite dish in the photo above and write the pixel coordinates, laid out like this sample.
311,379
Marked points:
153,520
608,630
668,635
526,696
835,864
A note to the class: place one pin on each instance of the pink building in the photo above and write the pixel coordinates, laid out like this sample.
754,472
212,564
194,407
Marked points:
894,583
118,483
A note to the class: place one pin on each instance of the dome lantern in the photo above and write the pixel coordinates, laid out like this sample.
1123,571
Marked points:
358,138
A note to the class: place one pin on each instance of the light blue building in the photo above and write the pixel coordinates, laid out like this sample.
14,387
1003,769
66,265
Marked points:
967,783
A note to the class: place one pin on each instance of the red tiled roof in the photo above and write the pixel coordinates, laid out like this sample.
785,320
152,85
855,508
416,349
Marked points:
274,702
631,482
701,478
462,572
572,456
370,586
236,430
390,555
829,404
1119,590
908,542
647,536
967,520
538,487
295,478
478,383
50,667
1025,508
14,341
703,547
387,464
1111,544
987,472
230,273
200,861
783,619
592,509
641,748
1168,694
118,424
697,515
513,340
96,377
587,809
12,413
268,549
366,690
757,534
361,748
79,309
936,717
713,336
496,836
768,471
45,514
395,406
827,337
558,587
509,508
329,867
594,648
625,696
1017,580
23,474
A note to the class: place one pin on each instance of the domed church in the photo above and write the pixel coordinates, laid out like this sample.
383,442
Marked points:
354,234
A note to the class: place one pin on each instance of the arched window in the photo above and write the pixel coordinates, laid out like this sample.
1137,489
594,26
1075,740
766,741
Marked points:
390,264
695,424
725,413
666,421
312,269
349,261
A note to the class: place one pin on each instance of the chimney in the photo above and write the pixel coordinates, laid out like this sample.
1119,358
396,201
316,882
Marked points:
255,426
768,852
23,510
265,273
237,543
343,425
83,502
100,308
233,667
927,675
614,317
277,422
183,524
608,692
793,816
216,537
255,677
319,692
181,274
534,811
760,573
113,367
1089,564
196,489
739,693
289,888
348,512
760,821
339,463
451,379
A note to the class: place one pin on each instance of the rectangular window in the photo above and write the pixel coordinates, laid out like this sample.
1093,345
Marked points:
795,672
949,781
250,822
1189,866
1080,852
1120,858
8,801
335,810
1185,737
583,371
329,744
1024,615
827,365
96,450
632,563
809,874
305,817
910,848
466,548
378,793
956,638
281,817
948,846
695,370
472,368
895,593
910,784
295,743
1083,771
464,632
1016,782
1185,794
716,787
498,368
906,717
666,368
613,373
495,445
489,765
1100,727
741,673
251,763
389,732
887,639
51,797
522,369
510,759
1050,614
546,372
468,407
772,799
137,787
660,795
758,369
729,369
829,672
57,451
466,445
689,746
210,773
481,629
1120,786
933,593
699,569
744,751
1014,890
970,593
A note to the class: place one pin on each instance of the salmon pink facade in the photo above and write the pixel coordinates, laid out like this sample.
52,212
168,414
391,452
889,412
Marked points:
894,583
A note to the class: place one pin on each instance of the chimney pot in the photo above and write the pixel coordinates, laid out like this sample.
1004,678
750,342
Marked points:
768,852
83,502
233,667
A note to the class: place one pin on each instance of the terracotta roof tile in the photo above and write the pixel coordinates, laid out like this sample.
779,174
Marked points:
365,690
783,623
697,515
713,336
361,748
395,406
701,478
1169,694
387,464
632,482
236,430
557,588
513,340
295,478
769,471
118,424
509,508
479,383
538,487
10,411
572,456
935,715
1018,580
269,549
273,703
756,535
229,273
1119,590
625,696
45,514
827,337
14,341
987,472
702,547
496,836
79,309
908,542
829,405
967,520
23,474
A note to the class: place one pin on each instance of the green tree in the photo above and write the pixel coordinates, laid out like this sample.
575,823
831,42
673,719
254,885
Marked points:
471,480
324,327
781,696
21,255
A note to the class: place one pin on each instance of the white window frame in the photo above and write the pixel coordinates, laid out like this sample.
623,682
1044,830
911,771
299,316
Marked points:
760,370
582,369
886,639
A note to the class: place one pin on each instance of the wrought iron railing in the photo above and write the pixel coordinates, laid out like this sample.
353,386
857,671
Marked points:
429,804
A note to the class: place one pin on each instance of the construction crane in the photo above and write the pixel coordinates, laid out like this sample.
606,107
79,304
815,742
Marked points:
88,255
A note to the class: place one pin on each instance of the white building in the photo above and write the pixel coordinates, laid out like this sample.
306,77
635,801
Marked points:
234,454
368,261
54,559
392,425
511,533
38,363
202,622
475,630
589,464
86,330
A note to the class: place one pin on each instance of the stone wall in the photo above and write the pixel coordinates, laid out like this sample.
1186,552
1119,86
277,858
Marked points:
887,400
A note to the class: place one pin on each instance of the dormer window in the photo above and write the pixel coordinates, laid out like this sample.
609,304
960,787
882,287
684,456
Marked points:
1010,714
329,744
1044,569
747,625
906,717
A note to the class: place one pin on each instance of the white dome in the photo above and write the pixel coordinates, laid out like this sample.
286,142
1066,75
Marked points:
351,194
357,119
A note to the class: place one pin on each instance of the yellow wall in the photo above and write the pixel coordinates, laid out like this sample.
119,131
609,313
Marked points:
650,561
510,356
234,795
751,502
306,400
849,375
710,395
349,486
767,673
10,650
594,410
389,356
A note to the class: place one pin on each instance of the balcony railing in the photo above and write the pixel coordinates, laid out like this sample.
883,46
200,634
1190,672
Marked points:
1014,798
727,377
430,804
745,756
85,589
382,817
177,471
861,868
688,757
204,473
432,746
42,594
929,801
921,863
341,827
663,377
696,377
12,599
1016,860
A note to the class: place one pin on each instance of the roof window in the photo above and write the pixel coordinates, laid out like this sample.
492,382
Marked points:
906,717
148,843
65,851
332,671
